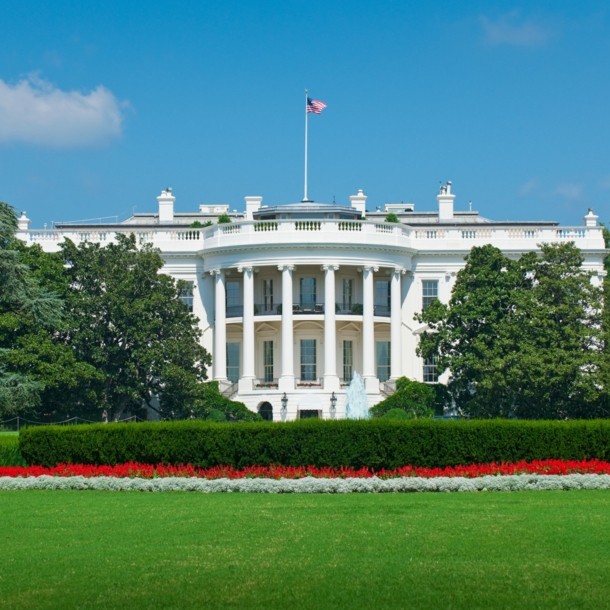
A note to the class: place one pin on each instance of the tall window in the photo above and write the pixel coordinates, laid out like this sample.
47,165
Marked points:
233,299
267,295
268,360
429,292
308,292
233,362
348,360
383,360
382,297
430,370
186,296
348,294
308,360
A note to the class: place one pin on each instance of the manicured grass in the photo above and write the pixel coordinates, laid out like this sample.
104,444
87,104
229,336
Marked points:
180,550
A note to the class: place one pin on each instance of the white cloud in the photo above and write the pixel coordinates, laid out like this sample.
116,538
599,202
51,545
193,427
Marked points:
35,112
529,187
509,29
570,191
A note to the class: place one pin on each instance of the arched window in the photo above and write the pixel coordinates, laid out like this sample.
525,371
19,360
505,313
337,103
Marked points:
266,411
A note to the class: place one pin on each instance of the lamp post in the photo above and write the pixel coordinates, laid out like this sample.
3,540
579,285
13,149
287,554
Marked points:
333,405
284,405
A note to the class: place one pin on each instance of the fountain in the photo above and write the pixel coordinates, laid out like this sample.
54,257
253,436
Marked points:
357,404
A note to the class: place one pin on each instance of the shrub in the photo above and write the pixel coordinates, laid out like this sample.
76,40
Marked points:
10,455
357,309
375,443
224,219
391,217
416,399
216,415
198,225
396,414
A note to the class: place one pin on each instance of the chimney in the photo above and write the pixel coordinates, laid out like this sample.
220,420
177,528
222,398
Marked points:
166,206
252,206
445,203
590,219
23,223
359,202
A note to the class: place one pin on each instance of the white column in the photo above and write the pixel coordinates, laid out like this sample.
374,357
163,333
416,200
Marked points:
286,381
368,330
219,357
331,380
396,324
247,377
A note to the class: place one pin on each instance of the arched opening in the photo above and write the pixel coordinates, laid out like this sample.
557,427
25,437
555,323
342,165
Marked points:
265,410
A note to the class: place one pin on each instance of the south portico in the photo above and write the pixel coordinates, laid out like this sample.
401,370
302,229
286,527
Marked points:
352,310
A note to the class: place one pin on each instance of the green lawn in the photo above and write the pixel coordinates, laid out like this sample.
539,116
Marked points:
69,549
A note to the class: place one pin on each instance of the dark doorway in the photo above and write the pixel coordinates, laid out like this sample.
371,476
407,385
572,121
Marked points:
266,411
309,413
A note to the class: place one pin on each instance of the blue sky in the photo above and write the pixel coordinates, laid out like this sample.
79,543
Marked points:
104,104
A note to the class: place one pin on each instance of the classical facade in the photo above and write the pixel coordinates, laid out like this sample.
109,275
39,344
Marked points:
293,299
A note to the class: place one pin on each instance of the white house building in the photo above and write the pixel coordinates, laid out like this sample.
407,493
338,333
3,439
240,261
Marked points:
292,299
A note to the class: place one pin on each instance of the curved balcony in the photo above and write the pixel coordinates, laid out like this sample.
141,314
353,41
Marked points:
261,309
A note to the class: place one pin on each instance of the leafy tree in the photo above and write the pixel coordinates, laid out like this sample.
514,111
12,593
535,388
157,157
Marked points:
127,321
185,397
195,225
224,219
391,217
28,315
414,398
521,338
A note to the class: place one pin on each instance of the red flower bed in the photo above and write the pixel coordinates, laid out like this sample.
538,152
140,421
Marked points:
148,471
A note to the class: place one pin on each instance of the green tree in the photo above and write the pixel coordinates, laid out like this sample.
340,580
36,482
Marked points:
127,321
416,399
224,219
28,317
391,217
521,338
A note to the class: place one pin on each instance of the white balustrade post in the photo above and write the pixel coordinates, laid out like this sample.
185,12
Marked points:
247,378
396,325
286,381
331,380
368,330
220,327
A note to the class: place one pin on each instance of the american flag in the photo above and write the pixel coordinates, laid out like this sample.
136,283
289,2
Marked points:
315,106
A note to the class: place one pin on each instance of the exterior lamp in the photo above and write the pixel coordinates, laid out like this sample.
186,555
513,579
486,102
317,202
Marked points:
284,402
333,405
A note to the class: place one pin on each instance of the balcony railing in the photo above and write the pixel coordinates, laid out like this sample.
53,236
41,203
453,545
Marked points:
268,309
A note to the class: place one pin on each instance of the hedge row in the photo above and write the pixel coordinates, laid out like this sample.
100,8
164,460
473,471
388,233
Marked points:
377,443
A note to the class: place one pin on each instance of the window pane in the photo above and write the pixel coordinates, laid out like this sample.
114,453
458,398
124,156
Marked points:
308,292
383,360
268,295
233,362
308,360
429,292
430,370
348,360
347,294
268,360
382,297
233,299
186,296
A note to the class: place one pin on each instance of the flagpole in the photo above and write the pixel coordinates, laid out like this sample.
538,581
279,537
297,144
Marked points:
305,190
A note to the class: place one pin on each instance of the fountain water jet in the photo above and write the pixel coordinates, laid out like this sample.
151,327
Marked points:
357,404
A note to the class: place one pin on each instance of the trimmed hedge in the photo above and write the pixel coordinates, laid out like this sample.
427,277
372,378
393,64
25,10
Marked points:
377,443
